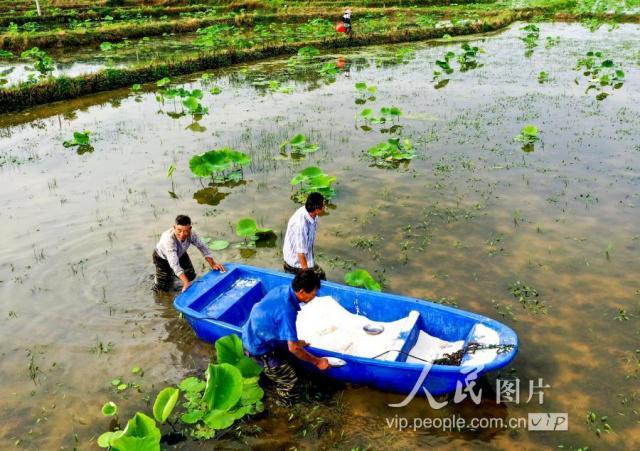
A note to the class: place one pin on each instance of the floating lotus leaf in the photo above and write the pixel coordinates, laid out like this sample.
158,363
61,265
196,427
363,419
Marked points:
362,278
109,409
218,245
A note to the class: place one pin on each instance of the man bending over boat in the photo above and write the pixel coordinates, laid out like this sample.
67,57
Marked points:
301,236
271,338
171,258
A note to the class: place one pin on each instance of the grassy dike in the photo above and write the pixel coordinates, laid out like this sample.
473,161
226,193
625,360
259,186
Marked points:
63,88
18,42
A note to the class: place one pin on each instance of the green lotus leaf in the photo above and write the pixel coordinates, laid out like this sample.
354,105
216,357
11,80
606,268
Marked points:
362,278
366,113
104,441
192,385
109,409
218,419
251,393
192,416
239,158
140,434
224,387
246,227
218,245
165,402
298,140
229,350
191,103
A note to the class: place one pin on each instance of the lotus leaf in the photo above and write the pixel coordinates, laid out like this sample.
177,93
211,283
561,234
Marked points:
362,278
165,402
224,387
109,409
229,350
141,434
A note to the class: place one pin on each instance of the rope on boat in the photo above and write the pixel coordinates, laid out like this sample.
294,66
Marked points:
455,358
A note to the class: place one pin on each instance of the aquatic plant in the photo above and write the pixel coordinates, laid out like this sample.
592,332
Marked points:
467,58
365,92
109,409
362,279
543,77
528,134
530,39
222,165
81,140
386,113
230,392
140,434
43,63
528,297
392,150
552,41
601,73
248,229
6,55
165,402
299,145
313,179
444,64
216,245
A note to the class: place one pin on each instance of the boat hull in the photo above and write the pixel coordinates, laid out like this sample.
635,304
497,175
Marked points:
215,307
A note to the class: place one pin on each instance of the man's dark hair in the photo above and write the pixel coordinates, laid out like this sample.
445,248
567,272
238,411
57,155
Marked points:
306,280
183,220
314,202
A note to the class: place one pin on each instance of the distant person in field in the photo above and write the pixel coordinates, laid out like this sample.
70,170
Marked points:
171,258
301,237
346,21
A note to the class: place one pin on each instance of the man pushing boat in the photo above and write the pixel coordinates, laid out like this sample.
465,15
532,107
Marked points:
270,335
171,258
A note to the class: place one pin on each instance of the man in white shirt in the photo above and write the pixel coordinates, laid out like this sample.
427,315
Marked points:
171,258
301,236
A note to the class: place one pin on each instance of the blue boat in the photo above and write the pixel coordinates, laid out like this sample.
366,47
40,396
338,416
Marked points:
218,304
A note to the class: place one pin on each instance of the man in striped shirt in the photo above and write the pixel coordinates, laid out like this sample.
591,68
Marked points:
301,236
170,255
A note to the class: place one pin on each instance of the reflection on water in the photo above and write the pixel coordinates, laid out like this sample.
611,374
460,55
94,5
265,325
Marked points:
467,218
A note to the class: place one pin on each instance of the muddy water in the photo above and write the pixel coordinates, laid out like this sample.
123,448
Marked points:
465,220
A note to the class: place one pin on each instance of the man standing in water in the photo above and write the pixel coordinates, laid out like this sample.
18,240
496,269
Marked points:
270,335
171,258
301,236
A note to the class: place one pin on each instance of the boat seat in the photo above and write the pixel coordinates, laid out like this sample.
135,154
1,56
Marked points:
234,304
405,338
